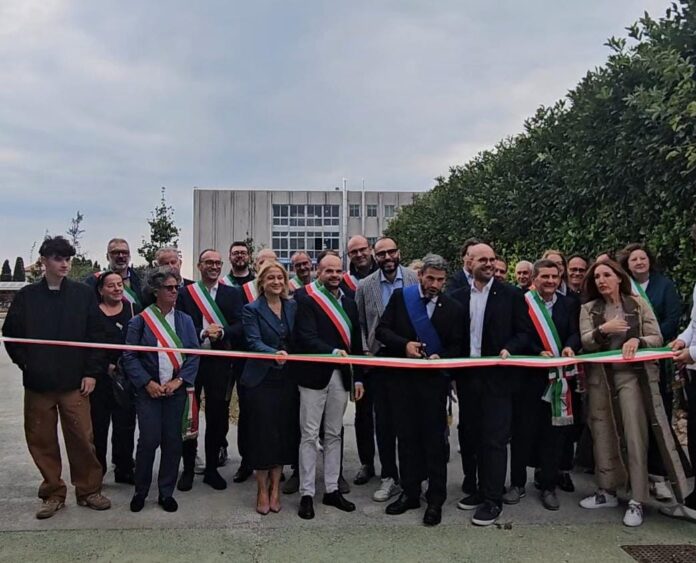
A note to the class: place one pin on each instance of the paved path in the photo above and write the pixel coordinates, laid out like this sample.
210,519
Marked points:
223,526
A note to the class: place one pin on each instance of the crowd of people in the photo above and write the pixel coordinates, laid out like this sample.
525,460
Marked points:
612,418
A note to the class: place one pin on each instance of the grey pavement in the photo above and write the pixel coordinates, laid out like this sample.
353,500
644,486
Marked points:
217,526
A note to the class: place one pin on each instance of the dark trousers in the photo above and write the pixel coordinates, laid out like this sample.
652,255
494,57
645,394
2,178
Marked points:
106,412
159,424
373,416
496,420
469,430
690,500
214,381
419,404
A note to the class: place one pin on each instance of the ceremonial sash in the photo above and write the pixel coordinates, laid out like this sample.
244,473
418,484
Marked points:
638,290
206,304
333,309
249,289
228,280
295,283
189,418
129,296
558,392
350,281
418,313
165,334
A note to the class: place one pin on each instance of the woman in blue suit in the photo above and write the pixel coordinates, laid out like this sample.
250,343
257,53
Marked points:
271,396
160,380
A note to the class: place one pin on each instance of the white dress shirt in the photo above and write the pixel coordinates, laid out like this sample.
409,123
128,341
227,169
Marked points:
477,310
166,370
430,305
689,334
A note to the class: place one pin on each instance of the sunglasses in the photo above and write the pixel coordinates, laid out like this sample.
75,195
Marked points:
170,287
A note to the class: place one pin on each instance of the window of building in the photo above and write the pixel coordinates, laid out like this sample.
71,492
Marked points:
371,210
371,241
389,211
354,210
312,228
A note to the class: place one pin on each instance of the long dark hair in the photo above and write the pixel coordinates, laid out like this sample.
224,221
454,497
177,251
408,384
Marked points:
590,290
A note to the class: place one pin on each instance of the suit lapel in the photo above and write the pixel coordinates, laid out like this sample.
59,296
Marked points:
491,304
268,315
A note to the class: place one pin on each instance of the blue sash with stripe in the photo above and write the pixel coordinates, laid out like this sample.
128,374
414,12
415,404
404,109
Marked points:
415,307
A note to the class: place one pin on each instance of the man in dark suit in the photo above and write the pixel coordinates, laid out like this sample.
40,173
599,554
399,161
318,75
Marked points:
118,258
536,436
326,323
170,257
216,311
420,322
463,277
496,323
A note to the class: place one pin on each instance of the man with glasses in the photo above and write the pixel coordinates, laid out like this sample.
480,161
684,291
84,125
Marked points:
58,379
118,257
216,311
302,266
361,264
170,257
374,411
240,258
577,269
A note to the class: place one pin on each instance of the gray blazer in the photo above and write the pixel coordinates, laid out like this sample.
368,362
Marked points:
370,306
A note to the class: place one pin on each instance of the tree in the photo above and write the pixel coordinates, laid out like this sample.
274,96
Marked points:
75,232
6,274
18,274
163,231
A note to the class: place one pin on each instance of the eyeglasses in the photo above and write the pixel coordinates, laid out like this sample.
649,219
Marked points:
170,287
303,265
212,263
361,250
239,253
577,270
486,260
383,253
119,252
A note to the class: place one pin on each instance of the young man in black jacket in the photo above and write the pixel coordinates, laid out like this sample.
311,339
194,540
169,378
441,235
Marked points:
58,380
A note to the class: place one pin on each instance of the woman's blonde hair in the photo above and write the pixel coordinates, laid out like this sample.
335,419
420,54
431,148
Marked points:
263,272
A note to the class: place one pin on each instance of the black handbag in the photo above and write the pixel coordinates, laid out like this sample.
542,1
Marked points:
122,387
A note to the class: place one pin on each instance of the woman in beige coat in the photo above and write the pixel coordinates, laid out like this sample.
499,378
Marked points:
623,398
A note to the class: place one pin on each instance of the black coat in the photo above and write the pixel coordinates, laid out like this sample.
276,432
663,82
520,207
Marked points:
70,313
457,281
506,326
395,329
133,279
566,317
314,333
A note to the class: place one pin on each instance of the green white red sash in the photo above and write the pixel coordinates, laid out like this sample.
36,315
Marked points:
206,304
165,334
228,280
250,290
189,418
351,281
295,283
640,292
558,392
333,309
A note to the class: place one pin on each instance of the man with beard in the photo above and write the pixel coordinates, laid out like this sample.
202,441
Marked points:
500,269
420,322
495,323
326,323
463,277
216,311
302,266
240,258
361,264
374,411
523,274
170,257
118,257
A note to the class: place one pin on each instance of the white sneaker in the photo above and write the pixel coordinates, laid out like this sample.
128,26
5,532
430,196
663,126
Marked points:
634,514
601,499
661,490
199,468
679,511
424,490
387,489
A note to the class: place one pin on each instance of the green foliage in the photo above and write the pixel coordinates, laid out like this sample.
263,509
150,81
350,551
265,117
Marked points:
6,272
75,231
18,273
612,163
81,267
163,231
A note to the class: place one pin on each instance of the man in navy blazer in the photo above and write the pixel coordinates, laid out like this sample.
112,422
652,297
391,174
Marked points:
215,376
534,437
324,387
496,323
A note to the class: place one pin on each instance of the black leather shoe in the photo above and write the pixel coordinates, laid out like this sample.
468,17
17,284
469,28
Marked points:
343,486
366,473
433,515
565,483
222,457
215,480
125,477
185,481
292,485
402,504
336,499
168,504
243,473
137,503
306,511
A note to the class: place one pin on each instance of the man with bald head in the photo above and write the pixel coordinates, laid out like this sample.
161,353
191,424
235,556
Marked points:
361,264
496,323
302,266
523,274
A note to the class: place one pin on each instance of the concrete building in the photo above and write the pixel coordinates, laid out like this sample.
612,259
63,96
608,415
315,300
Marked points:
287,221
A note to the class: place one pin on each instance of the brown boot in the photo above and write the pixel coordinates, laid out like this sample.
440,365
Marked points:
49,508
95,501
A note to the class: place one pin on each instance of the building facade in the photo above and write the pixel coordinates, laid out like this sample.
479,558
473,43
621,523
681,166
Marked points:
287,221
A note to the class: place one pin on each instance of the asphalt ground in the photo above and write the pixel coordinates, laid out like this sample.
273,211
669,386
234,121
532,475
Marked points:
223,525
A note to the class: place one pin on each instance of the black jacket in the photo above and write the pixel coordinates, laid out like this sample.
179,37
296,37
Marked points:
70,313
395,329
566,317
133,278
506,325
457,281
314,333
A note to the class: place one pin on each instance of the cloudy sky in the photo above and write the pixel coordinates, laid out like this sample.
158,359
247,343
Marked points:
101,103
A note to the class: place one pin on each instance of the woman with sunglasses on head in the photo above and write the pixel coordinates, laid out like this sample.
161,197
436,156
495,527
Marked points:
160,380
116,313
